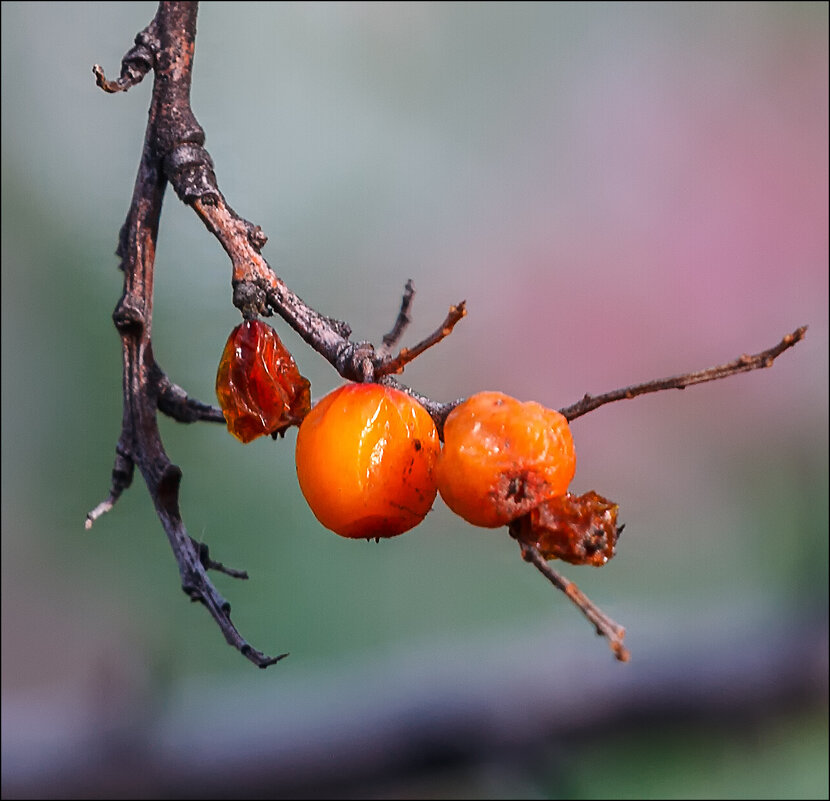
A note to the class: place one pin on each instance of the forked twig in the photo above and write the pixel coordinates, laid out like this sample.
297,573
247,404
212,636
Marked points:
166,46
406,355
174,153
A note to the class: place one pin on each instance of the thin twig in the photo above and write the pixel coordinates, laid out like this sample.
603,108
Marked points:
403,320
176,403
122,477
212,564
742,364
605,626
101,509
393,365
439,410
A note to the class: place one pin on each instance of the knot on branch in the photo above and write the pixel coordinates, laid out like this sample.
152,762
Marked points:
137,62
251,299
128,318
257,237
189,168
147,45
358,362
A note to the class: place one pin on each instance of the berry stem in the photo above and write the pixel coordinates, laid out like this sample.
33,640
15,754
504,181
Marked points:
605,626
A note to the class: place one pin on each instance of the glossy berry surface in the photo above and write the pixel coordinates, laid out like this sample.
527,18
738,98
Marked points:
365,457
580,529
259,387
502,457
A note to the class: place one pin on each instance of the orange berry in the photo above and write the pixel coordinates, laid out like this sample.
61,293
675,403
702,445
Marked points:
259,387
502,457
365,456
580,529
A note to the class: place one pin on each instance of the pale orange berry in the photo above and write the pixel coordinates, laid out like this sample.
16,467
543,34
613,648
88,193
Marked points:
502,457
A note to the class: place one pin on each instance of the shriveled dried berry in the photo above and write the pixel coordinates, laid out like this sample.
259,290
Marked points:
502,457
580,529
259,387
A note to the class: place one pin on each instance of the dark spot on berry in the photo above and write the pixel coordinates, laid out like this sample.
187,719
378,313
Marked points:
517,488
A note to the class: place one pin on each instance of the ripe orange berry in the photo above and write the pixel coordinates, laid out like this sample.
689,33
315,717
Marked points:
258,384
502,457
365,456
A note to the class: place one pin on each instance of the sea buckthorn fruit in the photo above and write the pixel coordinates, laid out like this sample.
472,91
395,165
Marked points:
365,457
502,457
259,387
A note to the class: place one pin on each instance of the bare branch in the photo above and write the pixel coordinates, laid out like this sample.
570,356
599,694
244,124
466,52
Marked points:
173,136
742,364
258,289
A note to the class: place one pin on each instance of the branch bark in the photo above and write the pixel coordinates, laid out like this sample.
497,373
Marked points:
166,46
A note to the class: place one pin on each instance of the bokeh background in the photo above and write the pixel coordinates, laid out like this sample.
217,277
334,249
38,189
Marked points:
620,192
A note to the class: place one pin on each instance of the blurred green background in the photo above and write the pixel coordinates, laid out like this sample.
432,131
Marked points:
620,192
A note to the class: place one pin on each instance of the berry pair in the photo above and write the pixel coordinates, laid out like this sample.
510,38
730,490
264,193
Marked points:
370,464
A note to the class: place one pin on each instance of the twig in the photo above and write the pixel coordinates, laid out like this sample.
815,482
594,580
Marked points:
742,364
605,626
393,337
176,403
257,288
211,564
396,364
439,411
